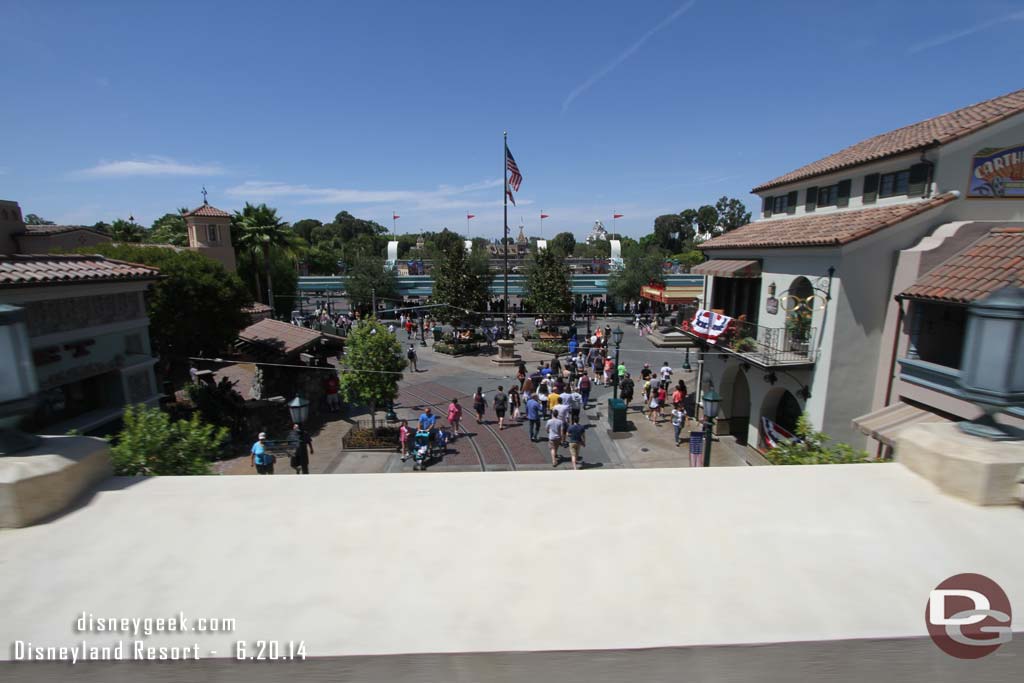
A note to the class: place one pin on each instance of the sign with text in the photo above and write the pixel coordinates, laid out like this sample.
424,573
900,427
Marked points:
997,173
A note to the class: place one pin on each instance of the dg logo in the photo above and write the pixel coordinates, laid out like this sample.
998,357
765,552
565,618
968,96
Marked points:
968,616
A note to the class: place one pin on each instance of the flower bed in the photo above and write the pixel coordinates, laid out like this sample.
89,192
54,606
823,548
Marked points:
551,347
364,439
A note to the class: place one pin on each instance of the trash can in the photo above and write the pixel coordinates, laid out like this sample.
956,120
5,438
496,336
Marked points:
617,414
437,333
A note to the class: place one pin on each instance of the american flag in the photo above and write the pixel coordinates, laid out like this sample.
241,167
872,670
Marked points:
514,177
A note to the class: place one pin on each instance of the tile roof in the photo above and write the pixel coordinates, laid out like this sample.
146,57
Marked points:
993,261
209,211
56,229
831,228
935,131
283,337
21,270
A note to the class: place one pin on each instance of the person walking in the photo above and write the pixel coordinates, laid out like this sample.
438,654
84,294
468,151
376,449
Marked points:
575,406
427,420
562,412
677,396
554,427
259,457
521,374
479,405
584,387
577,441
553,400
403,439
666,373
331,387
411,355
408,327
303,445
626,388
528,386
500,406
609,366
533,413
515,402
454,417
678,420
662,400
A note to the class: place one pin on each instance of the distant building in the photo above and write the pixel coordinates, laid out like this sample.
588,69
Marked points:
18,238
597,233
209,233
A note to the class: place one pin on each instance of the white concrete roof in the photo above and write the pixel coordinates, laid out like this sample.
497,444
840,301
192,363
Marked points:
374,564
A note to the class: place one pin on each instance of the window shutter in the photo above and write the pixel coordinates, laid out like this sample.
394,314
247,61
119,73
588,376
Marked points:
918,177
843,193
791,202
870,188
812,199
767,208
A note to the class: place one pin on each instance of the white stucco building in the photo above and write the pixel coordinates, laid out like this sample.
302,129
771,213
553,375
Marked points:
827,245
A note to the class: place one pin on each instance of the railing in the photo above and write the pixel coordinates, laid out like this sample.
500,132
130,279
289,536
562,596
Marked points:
763,346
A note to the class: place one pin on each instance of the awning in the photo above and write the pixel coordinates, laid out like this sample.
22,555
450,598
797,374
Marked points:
886,423
729,268
672,295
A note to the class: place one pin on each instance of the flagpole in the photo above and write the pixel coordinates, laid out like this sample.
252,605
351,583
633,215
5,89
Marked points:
542,223
504,242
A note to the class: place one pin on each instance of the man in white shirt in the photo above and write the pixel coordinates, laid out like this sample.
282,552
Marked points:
554,426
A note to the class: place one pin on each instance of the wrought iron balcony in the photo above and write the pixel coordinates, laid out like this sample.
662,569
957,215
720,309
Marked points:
765,347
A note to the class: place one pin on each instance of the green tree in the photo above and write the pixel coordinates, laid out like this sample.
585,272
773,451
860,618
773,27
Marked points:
32,219
372,367
169,229
259,230
126,231
564,244
323,260
151,444
194,308
813,448
219,404
641,267
304,228
368,279
548,288
732,213
461,281
671,231
690,258
707,219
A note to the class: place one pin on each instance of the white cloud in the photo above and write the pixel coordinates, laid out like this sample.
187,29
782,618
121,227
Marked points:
150,166
585,85
444,197
963,33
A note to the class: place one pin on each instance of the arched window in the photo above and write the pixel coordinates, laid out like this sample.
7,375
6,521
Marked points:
800,310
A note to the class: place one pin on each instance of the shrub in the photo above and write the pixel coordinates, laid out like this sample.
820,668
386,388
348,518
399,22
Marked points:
745,344
551,346
813,448
219,404
456,348
152,444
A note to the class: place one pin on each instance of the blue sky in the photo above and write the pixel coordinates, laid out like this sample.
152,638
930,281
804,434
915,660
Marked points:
118,108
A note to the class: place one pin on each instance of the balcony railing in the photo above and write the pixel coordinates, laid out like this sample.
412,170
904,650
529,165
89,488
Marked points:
763,346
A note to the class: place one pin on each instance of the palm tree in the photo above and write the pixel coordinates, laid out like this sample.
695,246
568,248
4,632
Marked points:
260,229
126,231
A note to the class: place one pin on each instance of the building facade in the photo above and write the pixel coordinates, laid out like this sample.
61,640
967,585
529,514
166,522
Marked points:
808,288
87,325
209,233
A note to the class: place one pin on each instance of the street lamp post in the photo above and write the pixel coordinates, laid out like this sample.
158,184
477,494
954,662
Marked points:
617,338
590,303
423,328
711,402
299,409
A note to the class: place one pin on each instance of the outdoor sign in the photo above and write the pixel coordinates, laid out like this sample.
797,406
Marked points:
696,449
997,172
772,305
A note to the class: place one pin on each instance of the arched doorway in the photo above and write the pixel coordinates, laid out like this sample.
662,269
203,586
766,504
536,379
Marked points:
781,407
739,408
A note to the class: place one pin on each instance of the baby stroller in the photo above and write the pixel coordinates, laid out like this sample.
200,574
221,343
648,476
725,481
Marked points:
422,449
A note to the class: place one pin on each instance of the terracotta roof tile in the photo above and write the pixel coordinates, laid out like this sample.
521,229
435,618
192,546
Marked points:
831,228
56,229
21,270
917,136
208,211
995,260
283,337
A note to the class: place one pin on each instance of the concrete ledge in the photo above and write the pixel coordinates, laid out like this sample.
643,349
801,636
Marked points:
978,470
41,482
672,340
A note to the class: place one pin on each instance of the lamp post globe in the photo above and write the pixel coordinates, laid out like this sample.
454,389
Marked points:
712,400
299,409
617,336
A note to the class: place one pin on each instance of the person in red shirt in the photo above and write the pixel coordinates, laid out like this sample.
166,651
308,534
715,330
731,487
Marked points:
408,327
331,390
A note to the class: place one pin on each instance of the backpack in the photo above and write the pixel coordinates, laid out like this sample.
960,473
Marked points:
584,383
410,354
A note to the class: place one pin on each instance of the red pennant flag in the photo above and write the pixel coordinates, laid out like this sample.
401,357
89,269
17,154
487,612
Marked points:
544,215
470,215
395,216
616,215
